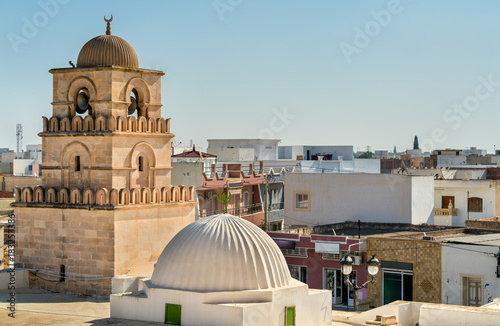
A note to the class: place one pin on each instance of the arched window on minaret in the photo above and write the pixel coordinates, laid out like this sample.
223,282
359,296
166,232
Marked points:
83,107
142,172
136,107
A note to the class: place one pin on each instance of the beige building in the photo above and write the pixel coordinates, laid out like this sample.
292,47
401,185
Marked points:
105,206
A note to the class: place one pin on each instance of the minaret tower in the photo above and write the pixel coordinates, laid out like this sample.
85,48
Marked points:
106,206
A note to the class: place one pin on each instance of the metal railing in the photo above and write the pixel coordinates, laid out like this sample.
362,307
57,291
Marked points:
236,211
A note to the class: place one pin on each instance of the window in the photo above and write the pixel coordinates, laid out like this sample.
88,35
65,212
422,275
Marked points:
297,252
141,163
445,201
62,273
172,314
77,163
475,204
298,272
302,201
397,285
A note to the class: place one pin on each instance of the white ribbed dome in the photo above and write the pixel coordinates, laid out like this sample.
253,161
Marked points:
221,253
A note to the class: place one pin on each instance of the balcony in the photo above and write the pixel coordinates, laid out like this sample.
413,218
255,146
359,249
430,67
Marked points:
445,211
236,211
443,216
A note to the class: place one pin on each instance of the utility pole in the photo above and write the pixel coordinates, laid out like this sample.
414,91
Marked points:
266,189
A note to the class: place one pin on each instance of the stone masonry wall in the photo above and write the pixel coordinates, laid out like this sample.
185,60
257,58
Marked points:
426,260
82,240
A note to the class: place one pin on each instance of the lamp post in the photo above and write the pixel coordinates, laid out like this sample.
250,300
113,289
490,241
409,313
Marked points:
372,268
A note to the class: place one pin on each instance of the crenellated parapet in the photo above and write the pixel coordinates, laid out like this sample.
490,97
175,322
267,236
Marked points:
52,196
106,124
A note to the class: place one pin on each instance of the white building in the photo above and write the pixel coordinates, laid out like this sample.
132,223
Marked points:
236,150
474,151
223,270
341,166
22,167
305,152
34,152
325,198
451,160
470,199
414,153
469,270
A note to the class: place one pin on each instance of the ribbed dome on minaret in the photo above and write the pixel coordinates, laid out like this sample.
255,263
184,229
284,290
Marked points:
107,50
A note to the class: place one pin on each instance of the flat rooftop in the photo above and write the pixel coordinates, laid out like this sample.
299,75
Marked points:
38,307
394,230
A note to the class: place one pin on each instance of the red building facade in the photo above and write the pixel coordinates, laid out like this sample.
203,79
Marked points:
315,260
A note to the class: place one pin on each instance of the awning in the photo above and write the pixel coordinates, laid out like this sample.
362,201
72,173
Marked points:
327,248
285,244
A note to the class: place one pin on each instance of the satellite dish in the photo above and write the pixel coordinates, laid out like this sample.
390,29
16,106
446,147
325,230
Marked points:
82,101
133,105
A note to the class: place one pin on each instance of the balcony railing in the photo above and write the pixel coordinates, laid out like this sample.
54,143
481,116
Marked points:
245,210
236,211
445,211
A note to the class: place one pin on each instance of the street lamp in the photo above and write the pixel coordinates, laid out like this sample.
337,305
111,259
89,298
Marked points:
372,267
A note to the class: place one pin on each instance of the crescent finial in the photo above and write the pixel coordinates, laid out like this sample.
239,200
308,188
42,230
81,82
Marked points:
108,27
108,20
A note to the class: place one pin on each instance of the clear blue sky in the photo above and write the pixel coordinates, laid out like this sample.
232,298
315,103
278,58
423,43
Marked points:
416,68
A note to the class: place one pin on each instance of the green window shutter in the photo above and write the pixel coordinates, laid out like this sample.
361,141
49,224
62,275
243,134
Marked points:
290,316
172,314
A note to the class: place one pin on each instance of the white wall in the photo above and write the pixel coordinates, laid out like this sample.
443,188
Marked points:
22,166
255,307
187,173
458,188
367,165
422,193
353,166
34,151
430,314
338,197
233,154
264,149
455,262
447,160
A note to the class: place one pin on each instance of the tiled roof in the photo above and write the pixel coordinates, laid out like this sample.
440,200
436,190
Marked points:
194,153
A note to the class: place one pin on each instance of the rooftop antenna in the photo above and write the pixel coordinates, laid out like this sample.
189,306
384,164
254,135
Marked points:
19,135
